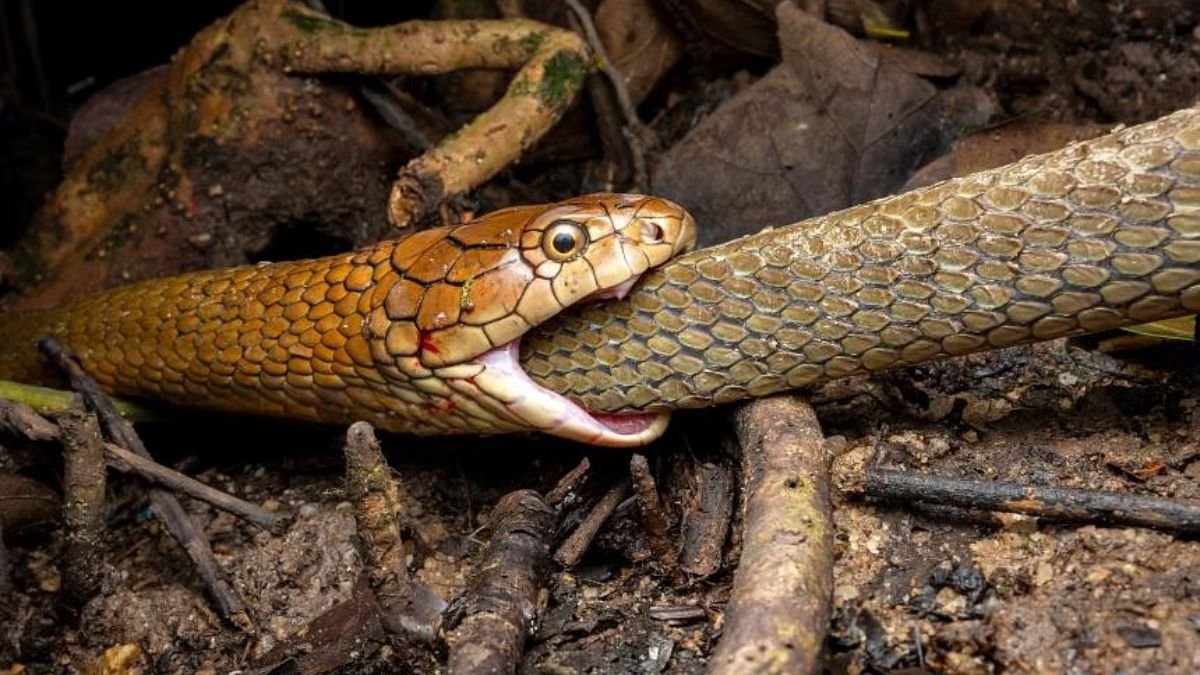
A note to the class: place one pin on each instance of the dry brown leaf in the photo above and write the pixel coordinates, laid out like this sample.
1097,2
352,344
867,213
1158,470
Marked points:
641,45
834,125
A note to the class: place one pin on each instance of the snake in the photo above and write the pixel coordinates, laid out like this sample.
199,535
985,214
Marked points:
419,335
1094,236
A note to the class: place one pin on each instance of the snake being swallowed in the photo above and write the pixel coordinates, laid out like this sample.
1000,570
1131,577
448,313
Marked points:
417,335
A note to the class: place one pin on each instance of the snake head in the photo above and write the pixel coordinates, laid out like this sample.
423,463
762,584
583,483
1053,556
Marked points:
466,295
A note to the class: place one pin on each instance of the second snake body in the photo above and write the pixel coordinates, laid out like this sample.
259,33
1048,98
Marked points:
1094,236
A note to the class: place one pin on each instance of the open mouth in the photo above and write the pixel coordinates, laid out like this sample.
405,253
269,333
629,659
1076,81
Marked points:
552,413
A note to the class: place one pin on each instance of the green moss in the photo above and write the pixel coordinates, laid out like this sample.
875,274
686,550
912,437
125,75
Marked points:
533,42
561,78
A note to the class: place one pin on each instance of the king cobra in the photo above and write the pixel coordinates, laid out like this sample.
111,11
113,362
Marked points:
1091,237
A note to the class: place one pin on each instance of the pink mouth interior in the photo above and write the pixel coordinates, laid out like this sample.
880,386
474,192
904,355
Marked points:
505,359
619,291
627,424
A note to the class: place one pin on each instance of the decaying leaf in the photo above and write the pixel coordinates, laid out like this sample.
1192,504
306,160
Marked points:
834,125
641,45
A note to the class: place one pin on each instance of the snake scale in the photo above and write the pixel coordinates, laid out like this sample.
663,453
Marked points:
420,335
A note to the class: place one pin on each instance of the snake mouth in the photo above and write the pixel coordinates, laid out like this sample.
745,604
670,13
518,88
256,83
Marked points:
547,411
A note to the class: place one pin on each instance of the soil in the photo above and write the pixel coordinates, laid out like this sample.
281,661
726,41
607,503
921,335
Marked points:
919,589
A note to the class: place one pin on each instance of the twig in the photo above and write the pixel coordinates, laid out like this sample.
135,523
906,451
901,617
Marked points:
618,169
637,135
781,602
653,516
615,78
567,484
409,607
18,419
84,482
1058,503
503,597
572,550
127,462
706,520
21,420
163,503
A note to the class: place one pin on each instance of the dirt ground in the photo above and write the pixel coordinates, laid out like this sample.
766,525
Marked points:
917,589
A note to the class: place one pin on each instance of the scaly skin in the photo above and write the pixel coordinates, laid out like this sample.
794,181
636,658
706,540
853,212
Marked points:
1094,236
416,335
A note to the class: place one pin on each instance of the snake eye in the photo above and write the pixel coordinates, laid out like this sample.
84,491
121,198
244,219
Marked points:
563,240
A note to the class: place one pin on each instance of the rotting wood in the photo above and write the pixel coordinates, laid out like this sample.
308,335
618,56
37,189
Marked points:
707,519
502,599
571,551
654,518
84,483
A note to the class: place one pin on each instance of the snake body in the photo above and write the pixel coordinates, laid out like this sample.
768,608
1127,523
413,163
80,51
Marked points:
1091,237
420,335
416,335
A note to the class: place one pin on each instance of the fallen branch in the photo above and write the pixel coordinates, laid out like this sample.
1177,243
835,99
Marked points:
50,401
163,503
84,483
781,601
551,64
408,606
1058,503
502,598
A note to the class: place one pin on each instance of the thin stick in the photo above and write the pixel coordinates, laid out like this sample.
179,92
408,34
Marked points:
21,420
163,503
628,111
84,482
502,600
572,550
638,136
1058,503
127,462
567,484
781,602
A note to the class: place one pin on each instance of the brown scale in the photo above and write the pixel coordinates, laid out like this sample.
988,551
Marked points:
388,334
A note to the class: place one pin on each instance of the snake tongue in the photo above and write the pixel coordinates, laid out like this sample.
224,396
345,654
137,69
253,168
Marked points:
504,380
